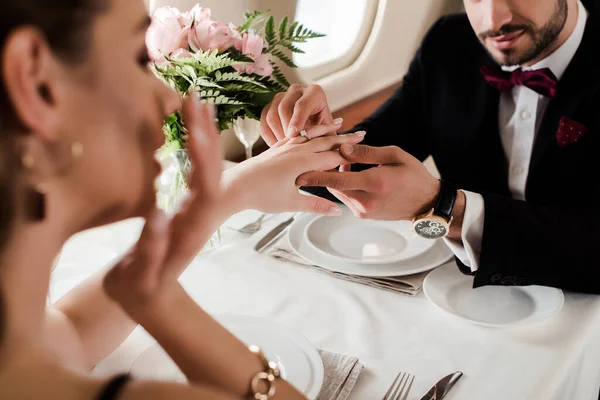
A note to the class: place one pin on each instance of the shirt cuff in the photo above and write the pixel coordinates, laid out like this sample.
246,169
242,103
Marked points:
469,250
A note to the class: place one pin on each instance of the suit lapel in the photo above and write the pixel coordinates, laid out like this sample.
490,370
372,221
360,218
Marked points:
494,163
493,171
578,81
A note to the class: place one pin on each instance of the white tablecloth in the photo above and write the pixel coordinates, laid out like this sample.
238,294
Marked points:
558,358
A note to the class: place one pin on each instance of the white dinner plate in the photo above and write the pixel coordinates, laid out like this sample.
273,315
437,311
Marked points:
366,241
299,360
436,256
493,306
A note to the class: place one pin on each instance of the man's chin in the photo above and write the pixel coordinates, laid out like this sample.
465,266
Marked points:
504,58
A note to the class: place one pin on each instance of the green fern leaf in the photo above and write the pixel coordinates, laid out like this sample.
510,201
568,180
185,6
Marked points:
235,76
215,97
219,100
250,114
292,29
286,60
253,20
270,30
210,62
279,76
236,88
292,48
304,33
283,28
205,83
191,71
209,93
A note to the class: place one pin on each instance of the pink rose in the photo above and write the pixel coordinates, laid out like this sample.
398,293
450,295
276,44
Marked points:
253,46
200,14
166,12
263,66
237,37
181,53
185,19
168,32
207,35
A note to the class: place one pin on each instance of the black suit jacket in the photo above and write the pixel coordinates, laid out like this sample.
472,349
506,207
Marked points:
444,108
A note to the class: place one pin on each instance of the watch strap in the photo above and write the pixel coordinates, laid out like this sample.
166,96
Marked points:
446,200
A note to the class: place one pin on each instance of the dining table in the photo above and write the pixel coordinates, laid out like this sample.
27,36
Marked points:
557,358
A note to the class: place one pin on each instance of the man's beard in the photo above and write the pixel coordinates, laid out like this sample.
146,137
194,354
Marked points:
542,38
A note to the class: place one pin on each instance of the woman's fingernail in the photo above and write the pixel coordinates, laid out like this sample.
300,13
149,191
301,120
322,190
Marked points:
360,133
334,210
291,131
302,182
338,121
347,148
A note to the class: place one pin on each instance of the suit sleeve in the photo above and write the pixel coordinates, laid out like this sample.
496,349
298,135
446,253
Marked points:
527,245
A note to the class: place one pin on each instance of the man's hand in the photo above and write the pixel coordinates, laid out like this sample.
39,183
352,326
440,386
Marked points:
400,188
297,109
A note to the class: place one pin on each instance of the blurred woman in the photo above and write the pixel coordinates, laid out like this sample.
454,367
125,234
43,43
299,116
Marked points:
80,120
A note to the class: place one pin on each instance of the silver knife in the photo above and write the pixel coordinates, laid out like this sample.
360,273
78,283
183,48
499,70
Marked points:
273,234
441,389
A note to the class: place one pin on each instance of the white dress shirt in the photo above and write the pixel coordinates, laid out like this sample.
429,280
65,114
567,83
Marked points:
520,114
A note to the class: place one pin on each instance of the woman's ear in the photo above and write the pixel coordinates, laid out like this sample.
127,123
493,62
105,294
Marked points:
27,72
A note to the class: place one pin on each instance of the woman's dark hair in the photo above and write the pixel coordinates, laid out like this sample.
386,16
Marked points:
66,24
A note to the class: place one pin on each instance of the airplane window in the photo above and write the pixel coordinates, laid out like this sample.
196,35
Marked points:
341,20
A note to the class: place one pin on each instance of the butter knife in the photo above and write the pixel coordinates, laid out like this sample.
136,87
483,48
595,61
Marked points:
273,234
441,389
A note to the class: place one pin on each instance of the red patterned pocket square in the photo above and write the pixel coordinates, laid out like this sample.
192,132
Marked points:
569,131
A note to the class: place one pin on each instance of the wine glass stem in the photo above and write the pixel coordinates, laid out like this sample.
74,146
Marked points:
248,152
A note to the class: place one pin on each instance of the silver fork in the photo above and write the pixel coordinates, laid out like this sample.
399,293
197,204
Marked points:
252,227
399,389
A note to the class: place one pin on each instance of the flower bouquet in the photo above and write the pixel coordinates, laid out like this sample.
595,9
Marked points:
233,67
237,68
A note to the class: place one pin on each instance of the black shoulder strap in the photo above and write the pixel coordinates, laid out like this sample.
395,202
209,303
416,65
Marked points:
114,387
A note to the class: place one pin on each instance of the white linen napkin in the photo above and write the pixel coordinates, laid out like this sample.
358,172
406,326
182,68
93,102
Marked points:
409,284
341,374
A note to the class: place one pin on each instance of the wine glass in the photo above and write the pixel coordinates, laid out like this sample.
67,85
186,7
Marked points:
247,131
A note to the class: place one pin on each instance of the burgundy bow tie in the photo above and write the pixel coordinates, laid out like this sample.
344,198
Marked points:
542,81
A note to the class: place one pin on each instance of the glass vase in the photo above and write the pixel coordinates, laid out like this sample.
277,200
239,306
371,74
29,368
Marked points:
172,186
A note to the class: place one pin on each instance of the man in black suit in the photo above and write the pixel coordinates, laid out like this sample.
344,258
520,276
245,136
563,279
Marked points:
506,99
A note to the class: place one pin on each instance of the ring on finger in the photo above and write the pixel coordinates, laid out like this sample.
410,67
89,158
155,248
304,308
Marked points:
304,134
298,140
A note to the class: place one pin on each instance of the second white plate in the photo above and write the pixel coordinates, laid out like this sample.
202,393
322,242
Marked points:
493,306
436,256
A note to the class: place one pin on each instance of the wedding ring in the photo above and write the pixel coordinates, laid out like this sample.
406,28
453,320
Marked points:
304,134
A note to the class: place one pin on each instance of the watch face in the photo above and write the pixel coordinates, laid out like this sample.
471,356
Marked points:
430,229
